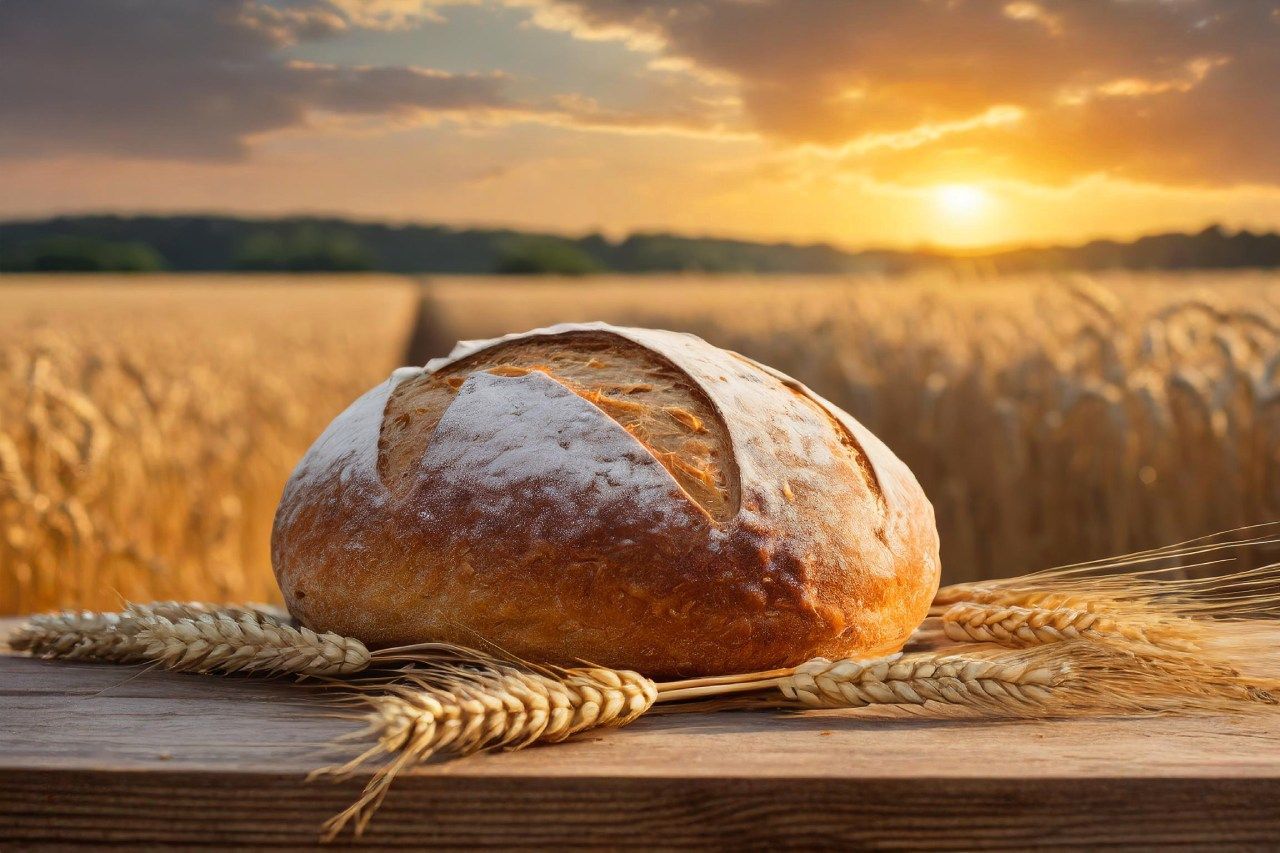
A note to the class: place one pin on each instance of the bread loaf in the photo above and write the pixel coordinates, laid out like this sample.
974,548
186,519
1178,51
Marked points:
630,497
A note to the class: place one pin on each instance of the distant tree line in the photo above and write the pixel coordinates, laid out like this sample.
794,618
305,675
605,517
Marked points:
1212,248
314,244
309,244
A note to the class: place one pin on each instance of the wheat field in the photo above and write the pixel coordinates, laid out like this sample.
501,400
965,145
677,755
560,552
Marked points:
146,429
147,426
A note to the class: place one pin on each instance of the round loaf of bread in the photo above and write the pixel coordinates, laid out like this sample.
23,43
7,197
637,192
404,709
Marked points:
630,497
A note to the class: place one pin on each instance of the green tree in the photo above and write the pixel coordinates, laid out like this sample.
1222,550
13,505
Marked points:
544,256
304,248
81,254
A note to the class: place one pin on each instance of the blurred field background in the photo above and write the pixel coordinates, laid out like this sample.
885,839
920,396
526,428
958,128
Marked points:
146,429
148,425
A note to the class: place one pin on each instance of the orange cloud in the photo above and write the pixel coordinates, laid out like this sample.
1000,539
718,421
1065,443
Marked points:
1142,89
796,118
1034,12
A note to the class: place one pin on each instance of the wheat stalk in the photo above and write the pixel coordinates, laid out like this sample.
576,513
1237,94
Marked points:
113,637
247,642
449,700
1138,588
994,594
1001,684
480,703
471,702
1072,677
1019,627
77,635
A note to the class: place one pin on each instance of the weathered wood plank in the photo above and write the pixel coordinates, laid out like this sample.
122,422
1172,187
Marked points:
469,811
119,754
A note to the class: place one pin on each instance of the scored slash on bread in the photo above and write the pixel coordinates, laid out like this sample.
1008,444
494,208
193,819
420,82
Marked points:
642,392
636,498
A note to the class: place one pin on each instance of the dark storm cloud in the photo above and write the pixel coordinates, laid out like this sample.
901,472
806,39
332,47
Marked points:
1166,90
190,78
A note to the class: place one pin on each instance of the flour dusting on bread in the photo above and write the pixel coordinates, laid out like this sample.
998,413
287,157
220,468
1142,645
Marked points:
661,406
504,437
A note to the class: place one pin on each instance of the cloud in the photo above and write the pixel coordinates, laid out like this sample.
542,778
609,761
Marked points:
910,91
196,79
200,79
1177,91
391,14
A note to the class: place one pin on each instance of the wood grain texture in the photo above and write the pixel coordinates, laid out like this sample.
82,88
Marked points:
118,755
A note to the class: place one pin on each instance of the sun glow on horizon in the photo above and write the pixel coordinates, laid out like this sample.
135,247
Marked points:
962,215
961,201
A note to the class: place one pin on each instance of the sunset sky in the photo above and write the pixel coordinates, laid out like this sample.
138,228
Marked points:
867,122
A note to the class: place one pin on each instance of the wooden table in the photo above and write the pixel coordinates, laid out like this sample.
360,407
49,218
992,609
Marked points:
106,754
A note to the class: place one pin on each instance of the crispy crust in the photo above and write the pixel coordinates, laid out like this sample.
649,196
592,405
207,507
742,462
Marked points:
532,519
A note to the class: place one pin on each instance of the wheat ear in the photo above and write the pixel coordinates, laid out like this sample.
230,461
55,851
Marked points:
475,702
193,636
112,637
1019,627
77,635
247,642
973,681
1061,679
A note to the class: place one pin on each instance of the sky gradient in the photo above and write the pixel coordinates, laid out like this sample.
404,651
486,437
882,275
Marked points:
868,122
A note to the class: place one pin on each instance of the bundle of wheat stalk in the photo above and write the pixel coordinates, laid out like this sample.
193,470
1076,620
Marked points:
1105,638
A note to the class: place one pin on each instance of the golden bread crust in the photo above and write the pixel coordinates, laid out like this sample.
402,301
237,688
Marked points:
631,497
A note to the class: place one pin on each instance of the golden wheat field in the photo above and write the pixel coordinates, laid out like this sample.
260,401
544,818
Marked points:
147,425
146,429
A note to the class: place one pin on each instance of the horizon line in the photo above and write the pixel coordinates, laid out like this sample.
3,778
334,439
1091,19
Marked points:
615,237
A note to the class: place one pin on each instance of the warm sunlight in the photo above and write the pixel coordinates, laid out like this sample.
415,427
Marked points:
1021,257
964,215
961,200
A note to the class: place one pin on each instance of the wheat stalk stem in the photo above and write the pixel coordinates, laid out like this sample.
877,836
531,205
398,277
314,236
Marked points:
668,694
711,680
1246,593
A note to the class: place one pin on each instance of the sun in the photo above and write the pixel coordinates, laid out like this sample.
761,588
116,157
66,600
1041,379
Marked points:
961,201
